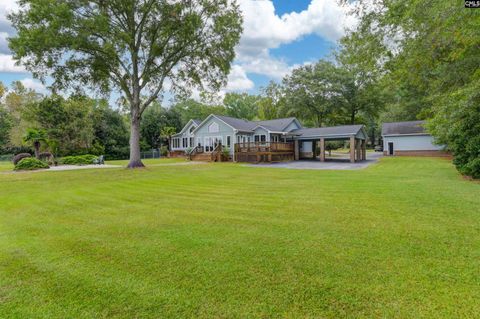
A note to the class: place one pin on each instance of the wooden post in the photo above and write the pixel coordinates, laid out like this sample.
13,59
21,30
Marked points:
322,149
359,150
364,150
296,150
352,149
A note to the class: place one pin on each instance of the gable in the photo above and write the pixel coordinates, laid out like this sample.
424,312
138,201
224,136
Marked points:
213,126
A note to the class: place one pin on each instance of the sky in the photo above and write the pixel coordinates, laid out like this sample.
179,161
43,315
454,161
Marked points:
278,36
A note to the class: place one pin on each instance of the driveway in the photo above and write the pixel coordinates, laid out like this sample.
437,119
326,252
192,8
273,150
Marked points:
330,164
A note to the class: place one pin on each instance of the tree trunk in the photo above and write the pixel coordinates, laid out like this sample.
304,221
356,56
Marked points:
36,146
135,159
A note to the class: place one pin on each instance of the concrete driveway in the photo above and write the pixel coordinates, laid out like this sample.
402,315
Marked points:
330,164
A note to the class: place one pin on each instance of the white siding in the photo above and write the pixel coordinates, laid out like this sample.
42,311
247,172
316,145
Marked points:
411,143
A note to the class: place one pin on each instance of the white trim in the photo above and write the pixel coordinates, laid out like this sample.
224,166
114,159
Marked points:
410,134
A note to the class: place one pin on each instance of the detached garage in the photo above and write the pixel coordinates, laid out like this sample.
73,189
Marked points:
409,139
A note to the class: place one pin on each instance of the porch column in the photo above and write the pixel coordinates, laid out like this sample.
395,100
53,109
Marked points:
322,149
296,150
364,150
352,149
359,149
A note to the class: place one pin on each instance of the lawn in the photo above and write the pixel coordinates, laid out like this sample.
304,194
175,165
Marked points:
6,166
400,239
149,161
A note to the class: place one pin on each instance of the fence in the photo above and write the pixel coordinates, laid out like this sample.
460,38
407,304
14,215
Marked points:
150,154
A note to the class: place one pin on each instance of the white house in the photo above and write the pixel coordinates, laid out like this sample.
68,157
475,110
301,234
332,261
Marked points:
409,139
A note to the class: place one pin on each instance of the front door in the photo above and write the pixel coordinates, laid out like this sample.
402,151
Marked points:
390,148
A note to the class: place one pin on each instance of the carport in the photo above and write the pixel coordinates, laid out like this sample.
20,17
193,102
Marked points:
355,134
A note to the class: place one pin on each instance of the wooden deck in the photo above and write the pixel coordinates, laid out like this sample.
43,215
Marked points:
256,152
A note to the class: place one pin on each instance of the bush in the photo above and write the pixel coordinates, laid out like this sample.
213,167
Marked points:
19,157
79,160
30,164
164,151
46,157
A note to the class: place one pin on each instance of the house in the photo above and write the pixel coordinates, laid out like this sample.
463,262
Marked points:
409,139
270,140
183,141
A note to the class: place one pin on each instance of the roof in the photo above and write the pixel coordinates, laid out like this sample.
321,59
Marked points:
404,128
343,131
277,125
238,124
192,121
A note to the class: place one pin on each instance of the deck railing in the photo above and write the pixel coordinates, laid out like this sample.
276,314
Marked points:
260,147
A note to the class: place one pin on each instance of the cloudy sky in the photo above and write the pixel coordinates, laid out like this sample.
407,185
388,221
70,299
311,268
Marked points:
278,36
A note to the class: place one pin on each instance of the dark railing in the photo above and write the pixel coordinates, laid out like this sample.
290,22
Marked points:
217,153
196,150
258,147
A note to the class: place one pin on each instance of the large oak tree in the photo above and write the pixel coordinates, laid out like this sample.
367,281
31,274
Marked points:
138,47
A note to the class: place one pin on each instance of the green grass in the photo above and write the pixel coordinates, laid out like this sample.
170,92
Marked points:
400,239
149,161
6,166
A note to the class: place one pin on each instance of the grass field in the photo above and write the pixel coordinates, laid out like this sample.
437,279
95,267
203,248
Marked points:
149,161
400,239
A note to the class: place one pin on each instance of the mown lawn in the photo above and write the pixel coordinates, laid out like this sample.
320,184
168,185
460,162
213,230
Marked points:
6,166
149,161
400,239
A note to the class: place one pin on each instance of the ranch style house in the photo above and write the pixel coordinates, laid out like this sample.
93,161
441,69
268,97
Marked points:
262,141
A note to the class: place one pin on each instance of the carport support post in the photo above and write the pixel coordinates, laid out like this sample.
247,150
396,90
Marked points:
322,149
364,150
296,150
352,149
358,146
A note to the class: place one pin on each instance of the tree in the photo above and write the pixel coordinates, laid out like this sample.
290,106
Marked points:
35,138
5,126
135,46
272,102
241,105
190,109
311,94
153,120
167,133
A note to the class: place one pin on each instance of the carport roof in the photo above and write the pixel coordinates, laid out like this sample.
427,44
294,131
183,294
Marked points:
332,132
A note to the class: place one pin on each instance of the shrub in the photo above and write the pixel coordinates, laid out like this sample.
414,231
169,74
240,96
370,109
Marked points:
19,157
46,157
164,151
30,164
79,160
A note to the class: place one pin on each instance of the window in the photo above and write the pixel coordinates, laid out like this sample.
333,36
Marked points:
229,142
184,142
213,128
191,142
257,138
263,138
238,138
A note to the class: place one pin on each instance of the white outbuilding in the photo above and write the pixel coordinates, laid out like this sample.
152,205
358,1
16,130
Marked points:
409,139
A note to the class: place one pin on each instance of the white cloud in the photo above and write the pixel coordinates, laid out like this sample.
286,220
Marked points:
265,30
238,80
7,64
30,83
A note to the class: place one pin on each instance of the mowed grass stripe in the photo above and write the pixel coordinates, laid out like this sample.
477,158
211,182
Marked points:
398,239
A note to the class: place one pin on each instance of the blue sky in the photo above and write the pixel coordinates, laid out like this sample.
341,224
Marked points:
278,36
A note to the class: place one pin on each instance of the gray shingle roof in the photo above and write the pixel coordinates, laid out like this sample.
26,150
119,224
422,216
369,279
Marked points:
332,131
277,124
238,124
401,128
196,122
